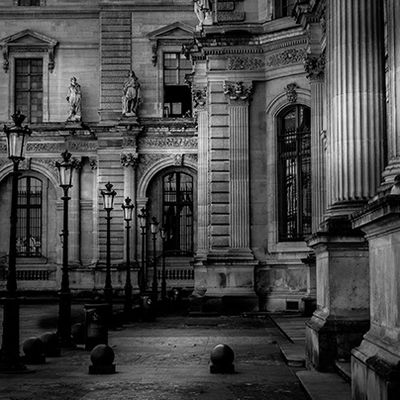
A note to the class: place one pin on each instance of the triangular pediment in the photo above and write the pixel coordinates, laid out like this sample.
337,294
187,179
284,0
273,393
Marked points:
177,30
28,37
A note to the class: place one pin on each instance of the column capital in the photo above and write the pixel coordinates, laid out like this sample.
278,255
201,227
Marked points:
314,66
238,92
93,163
130,159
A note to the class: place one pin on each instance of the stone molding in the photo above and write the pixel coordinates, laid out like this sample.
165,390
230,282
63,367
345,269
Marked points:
238,91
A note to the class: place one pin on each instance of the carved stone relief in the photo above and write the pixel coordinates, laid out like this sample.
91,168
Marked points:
129,160
238,90
163,142
245,63
315,66
290,56
291,92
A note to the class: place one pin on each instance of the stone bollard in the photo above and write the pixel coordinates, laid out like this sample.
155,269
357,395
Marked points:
221,358
78,333
102,357
51,344
34,351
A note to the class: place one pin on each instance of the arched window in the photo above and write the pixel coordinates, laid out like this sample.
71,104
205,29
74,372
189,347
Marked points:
29,211
178,212
283,8
294,170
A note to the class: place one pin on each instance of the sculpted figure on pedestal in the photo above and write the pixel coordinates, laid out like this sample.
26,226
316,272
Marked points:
74,98
202,9
131,95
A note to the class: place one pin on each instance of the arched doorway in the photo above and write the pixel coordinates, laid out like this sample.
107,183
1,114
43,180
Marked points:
172,199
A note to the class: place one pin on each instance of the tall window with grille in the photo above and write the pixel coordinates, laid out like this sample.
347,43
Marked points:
283,8
27,3
294,173
29,88
177,96
29,211
178,213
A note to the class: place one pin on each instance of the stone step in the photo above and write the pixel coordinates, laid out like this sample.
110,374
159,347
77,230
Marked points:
294,353
344,369
324,386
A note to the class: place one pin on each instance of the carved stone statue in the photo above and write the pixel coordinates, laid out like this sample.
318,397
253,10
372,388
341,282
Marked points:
74,99
131,96
202,9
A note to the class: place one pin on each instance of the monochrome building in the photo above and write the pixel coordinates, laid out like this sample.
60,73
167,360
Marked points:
263,134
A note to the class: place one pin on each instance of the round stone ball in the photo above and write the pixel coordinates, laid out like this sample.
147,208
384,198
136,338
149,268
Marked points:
33,347
222,355
102,354
78,333
50,341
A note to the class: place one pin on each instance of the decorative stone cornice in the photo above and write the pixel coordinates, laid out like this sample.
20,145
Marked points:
314,66
199,97
129,159
287,57
291,92
238,91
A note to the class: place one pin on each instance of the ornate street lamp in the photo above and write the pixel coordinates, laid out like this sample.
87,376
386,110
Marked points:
163,234
128,210
9,354
108,203
64,310
143,273
154,230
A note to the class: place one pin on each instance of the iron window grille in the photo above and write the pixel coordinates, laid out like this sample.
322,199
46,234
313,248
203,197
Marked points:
294,173
29,212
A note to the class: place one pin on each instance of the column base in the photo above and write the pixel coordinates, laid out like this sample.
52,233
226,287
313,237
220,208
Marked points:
332,338
375,372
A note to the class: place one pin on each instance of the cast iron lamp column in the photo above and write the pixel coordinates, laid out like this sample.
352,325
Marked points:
108,202
163,234
128,209
143,274
9,355
64,309
154,231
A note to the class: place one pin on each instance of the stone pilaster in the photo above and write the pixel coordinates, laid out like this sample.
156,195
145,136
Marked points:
356,93
74,215
239,216
315,66
95,235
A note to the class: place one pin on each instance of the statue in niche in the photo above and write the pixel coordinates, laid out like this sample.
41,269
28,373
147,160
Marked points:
74,99
203,11
131,96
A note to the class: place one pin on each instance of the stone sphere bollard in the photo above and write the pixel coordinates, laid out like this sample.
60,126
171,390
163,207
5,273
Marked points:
78,333
51,344
102,357
34,351
221,358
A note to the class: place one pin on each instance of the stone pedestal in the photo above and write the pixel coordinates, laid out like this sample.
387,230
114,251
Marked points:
342,315
375,364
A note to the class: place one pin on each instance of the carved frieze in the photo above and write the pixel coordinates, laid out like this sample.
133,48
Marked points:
291,92
245,63
315,66
168,141
286,57
129,160
238,91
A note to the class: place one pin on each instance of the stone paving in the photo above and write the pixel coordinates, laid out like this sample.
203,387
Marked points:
163,360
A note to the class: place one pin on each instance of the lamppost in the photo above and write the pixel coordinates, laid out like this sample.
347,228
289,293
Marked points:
142,216
163,234
154,230
64,309
108,202
9,354
128,209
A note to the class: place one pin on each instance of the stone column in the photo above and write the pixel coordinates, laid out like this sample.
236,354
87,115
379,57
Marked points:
129,161
74,215
239,217
354,162
314,66
95,238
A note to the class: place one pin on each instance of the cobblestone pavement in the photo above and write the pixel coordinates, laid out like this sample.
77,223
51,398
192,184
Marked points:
163,360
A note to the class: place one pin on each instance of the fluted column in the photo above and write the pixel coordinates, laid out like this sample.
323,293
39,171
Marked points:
129,161
315,66
239,215
356,90
200,108
74,215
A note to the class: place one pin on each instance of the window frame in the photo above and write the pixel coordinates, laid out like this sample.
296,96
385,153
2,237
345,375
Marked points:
300,234
41,3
